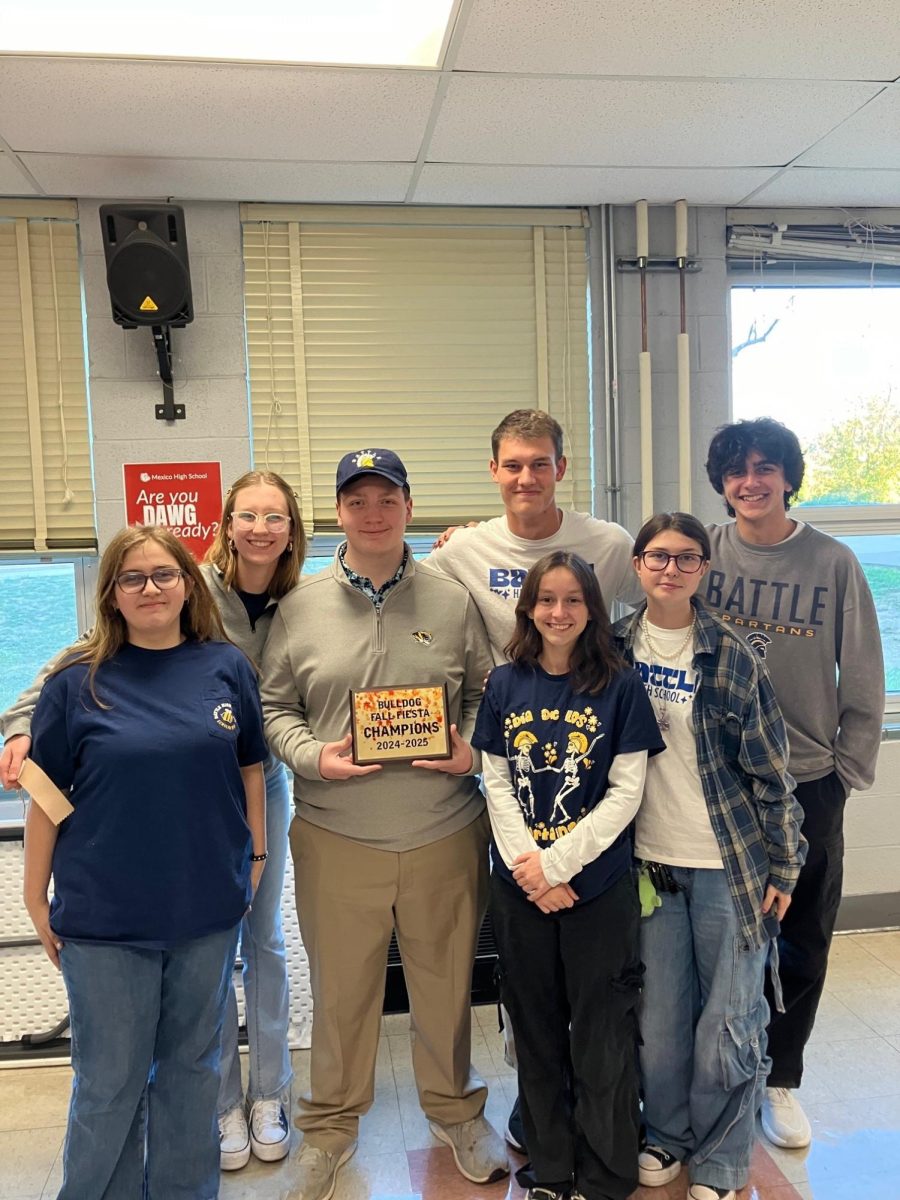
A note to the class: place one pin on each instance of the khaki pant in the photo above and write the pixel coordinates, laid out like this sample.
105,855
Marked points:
349,898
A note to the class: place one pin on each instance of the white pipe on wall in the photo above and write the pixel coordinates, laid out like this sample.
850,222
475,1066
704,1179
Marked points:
642,238
684,364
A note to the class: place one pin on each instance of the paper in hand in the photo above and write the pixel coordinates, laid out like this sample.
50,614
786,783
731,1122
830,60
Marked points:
44,792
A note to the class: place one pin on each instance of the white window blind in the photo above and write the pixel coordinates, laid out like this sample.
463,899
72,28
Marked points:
46,488
417,330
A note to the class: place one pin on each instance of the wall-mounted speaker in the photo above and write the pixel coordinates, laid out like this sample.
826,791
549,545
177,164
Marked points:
147,267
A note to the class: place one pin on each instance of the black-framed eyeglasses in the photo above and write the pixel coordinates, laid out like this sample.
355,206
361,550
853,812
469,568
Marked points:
273,521
657,560
163,578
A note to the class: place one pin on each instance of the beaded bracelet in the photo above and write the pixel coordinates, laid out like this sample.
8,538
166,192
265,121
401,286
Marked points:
259,857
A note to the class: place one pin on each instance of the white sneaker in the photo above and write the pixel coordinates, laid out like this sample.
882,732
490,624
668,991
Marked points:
783,1120
702,1191
234,1139
270,1134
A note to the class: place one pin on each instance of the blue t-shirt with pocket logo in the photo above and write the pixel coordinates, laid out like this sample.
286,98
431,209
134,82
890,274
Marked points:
157,849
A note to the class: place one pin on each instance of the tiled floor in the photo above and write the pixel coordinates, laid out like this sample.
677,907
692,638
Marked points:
851,1092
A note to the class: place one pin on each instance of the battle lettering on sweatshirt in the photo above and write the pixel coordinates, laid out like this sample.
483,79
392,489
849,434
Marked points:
804,606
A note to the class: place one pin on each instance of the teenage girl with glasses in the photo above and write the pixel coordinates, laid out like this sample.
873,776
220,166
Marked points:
152,726
566,729
718,832
254,560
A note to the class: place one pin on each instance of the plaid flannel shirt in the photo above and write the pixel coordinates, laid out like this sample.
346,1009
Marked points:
742,754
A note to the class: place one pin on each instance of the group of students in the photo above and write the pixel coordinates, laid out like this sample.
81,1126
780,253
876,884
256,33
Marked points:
645,831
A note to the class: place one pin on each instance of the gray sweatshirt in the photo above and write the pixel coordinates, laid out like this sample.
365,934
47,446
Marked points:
326,638
805,607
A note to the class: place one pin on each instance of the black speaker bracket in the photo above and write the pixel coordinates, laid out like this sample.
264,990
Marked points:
168,410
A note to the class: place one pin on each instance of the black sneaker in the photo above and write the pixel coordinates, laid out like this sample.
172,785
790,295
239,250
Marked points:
657,1167
539,1193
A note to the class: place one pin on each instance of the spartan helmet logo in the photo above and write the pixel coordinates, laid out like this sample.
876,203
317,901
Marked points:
365,458
759,642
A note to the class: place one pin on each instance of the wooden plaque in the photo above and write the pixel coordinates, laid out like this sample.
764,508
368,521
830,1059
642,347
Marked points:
396,724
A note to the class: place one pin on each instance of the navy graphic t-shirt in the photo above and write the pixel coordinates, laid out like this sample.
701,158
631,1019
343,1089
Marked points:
560,745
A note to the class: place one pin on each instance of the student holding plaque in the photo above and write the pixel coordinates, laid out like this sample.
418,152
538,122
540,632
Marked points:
388,842
565,729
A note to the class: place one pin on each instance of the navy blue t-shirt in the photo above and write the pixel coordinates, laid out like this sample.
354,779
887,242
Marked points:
560,745
157,849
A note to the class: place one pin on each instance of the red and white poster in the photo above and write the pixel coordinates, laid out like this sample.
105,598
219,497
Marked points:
185,497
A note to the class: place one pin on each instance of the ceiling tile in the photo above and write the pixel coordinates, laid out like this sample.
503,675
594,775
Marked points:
818,186
806,39
14,182
218,179
466,183
624,123
870,138
157,109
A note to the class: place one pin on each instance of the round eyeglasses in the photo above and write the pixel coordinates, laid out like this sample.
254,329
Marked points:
657,560
163,578
274,522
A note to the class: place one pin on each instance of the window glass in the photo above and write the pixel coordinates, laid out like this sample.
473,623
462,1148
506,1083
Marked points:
38,617
879,556
826,362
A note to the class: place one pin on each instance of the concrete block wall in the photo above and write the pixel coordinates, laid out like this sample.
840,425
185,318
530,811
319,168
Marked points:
209,369
707,326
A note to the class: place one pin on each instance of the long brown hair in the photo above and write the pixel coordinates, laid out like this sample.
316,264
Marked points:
594,659
200,620
222,554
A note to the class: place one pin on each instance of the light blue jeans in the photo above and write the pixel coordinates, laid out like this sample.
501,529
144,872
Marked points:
146,1035
266,991
703,1025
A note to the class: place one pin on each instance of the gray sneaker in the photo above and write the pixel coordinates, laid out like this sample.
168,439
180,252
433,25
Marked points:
316,1172
478,1149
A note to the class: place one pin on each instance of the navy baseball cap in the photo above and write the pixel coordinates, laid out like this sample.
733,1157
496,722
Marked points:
371,462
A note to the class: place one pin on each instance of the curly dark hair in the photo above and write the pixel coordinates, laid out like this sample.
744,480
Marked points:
732,444
594,660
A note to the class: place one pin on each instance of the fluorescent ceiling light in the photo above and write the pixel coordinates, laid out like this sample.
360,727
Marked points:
347,32
767,245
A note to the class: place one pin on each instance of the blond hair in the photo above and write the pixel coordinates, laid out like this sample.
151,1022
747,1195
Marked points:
200,620
222,554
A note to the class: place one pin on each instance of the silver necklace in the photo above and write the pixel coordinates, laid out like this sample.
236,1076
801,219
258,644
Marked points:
662,714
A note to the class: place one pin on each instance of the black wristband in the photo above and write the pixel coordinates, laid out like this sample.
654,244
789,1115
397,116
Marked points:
259,857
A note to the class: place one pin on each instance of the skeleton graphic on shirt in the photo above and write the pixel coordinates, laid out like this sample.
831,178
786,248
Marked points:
523,767
577,750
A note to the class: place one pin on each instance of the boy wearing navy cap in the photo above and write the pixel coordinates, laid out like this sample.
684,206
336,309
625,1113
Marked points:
387,846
